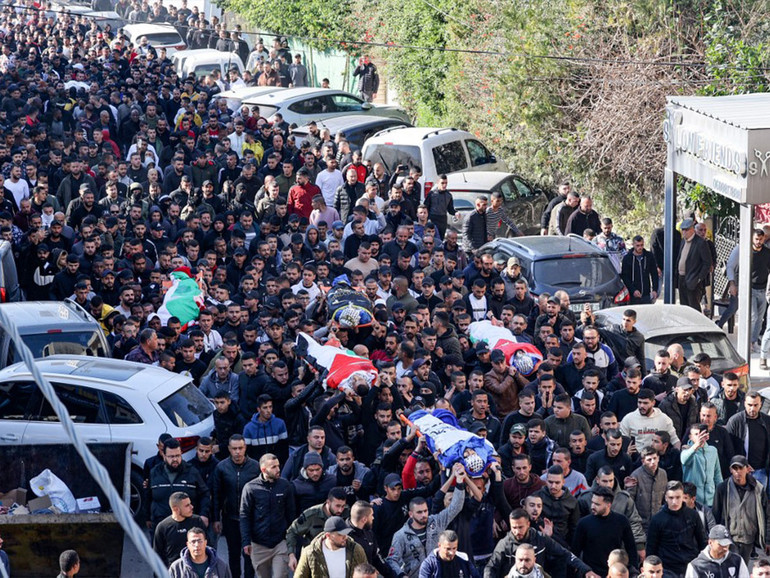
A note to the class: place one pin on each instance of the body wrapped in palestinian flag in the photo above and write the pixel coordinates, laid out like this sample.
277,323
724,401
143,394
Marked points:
343,366
525,357
183,300
348,307
452,444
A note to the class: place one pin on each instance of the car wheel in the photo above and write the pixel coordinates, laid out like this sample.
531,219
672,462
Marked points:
137,494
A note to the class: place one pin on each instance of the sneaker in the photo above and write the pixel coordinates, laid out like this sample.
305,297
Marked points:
762,363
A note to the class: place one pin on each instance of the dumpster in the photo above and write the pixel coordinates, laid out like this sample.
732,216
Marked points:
34,541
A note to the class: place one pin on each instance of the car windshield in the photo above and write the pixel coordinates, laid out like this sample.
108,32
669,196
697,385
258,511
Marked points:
715,344
392,155
187,406
163,38
68,342
586,272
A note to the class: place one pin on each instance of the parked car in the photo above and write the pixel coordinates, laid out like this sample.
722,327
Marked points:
158,36
205,61
51,327
236,96
435,150
103,18
357,128
301,105
523,202
570,263
109,400
663,325
9,278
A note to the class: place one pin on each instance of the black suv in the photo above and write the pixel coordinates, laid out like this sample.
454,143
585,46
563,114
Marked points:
570,263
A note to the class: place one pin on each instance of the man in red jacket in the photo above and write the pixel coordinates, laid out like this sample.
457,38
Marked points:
301,194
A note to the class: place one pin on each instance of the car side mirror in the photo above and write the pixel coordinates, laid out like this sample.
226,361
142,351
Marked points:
492,159
367,106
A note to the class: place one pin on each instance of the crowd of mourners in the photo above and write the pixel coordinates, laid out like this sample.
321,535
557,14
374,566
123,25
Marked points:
116,172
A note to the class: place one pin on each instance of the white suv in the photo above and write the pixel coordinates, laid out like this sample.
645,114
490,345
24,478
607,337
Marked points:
109,400
436,151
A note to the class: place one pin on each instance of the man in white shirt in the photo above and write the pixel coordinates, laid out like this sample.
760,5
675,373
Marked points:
329,181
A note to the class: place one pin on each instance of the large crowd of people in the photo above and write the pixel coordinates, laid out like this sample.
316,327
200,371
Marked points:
117,172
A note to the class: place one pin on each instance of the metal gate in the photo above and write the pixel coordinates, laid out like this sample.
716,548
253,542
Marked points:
725,240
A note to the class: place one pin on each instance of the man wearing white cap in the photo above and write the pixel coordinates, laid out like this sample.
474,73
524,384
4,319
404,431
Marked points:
716,559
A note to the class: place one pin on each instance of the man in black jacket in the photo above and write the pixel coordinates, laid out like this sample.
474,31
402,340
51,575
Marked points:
750,430
361,520
692,266
551,556
267,510
174,475
475,227
676,534
639,273
230,477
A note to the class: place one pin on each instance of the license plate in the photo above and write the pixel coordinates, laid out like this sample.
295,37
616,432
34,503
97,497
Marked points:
578,307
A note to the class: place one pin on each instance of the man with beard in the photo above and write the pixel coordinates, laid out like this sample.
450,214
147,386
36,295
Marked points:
74,182
361,520
447,560
174,475
351,475
642,424
549,555
523,483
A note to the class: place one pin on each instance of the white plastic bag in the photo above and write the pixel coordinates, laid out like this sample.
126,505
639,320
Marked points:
48,484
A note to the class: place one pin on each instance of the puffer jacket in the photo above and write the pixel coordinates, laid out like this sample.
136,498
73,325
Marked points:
407,551
312,562
648,493
183,567
188,480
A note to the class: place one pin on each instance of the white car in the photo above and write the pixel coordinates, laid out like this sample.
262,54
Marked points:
236,96
436,151
301,105
158,36
205,61
109,400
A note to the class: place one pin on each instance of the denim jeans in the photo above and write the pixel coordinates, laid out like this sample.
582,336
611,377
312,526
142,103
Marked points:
758,309
729,311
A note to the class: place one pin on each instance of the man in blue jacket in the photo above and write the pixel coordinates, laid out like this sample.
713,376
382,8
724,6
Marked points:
267,510
445,561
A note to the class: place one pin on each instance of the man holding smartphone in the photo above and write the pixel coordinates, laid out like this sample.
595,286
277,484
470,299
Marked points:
700,464
368,79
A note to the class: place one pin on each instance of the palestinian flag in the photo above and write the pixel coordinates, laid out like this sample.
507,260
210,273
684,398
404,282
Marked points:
342,364
452,443
183,300
524,356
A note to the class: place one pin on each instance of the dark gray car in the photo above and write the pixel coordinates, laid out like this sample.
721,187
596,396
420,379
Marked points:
570,263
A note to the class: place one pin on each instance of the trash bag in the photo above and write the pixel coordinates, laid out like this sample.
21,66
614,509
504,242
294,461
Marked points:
48,484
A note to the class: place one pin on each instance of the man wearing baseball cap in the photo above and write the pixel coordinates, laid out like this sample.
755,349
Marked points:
746,518
333,553
716,558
